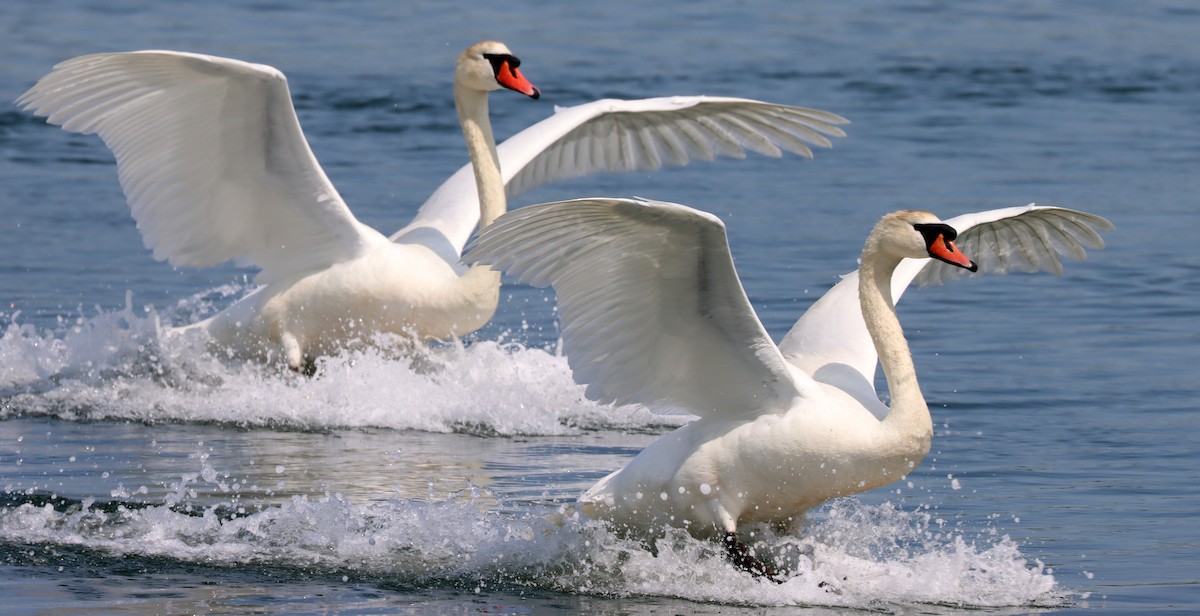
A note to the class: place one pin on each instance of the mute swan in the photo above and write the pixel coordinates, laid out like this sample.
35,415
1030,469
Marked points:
653,312
216,168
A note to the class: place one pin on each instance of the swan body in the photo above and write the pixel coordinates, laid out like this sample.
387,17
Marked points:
652,312
215,168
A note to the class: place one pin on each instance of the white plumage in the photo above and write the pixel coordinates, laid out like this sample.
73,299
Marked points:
653,313
624,135
830,340
211,157
216,168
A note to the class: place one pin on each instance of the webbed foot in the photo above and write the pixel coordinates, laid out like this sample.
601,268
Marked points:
742,558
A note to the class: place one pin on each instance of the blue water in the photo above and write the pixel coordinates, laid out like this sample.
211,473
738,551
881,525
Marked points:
138,476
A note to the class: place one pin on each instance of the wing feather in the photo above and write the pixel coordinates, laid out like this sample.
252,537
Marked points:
830,341
673,145
617,136
651,307
783,139
1029,238
211,157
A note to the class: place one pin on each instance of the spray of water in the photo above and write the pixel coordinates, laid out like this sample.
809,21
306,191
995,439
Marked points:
120,366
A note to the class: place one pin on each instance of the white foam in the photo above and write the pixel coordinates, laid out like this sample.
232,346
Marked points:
119,366
464,543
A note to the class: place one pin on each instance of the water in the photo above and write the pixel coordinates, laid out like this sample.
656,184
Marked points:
143,476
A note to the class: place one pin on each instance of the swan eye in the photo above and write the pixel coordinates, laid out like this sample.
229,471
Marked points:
931,231
498,60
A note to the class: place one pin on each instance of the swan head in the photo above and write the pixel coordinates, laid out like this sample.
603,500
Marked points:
490,66
917,234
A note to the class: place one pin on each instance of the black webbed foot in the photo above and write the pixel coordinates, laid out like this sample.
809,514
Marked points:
739,554
307,367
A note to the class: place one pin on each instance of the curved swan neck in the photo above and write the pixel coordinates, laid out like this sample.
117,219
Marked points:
908,409
480,284
472,107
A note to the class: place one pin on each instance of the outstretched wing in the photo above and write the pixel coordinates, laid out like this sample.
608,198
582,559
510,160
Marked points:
210,155
830,342
1027,239
651,307
620,135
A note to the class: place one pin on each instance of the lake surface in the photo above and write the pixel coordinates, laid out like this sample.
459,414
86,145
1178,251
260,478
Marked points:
144,477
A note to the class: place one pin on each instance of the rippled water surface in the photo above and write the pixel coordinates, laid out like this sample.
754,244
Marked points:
144,475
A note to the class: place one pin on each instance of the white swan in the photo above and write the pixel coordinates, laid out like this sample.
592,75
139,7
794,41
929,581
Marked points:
215,168
653,312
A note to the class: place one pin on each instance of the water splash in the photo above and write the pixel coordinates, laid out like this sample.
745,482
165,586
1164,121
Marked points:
121,366
462,543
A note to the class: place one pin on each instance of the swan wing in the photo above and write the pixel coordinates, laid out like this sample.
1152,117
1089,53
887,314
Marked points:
628,135
1028,238
830,341
210,155
651,308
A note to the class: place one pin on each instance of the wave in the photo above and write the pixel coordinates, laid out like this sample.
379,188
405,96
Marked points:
120,366
853,555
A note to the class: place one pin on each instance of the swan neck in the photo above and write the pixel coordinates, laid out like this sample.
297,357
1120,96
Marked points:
908,413
472,107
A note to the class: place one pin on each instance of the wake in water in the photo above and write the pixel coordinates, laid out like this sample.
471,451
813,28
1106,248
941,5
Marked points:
121,366
118,367
460,544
